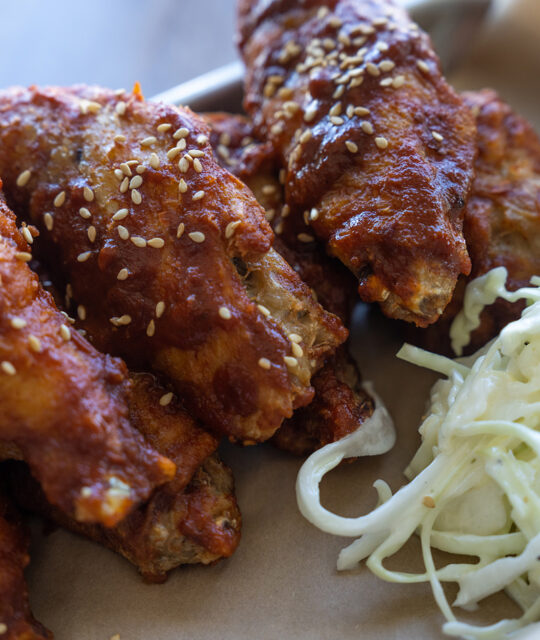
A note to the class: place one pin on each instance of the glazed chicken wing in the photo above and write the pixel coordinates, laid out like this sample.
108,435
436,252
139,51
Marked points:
63,405
167,255
16,620
376,147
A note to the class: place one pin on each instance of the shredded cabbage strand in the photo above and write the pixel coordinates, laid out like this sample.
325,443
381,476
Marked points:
474,482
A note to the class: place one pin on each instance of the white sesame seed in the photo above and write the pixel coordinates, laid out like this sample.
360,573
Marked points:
60,199
147,142
23,178
197,236
386,82
386,65
263,310
91,232
398,82
83,257
336,121
140,169
8,368
131,162
202,139
23,256
290,362
120,321
85,213
437,136
122,232
151,329
120,214
156,243
196,153
119,138
305,237
183,165
306,136
231,227
119,174
285,211
361,111
268,189
314,214
126,169
81,312
154,161
88,194
310,113
381,142
182,186
297,350
197,165
138,241
34,343
181,144
120,108
136,196
164,126
172,153
124,186
17,323
166,399
122,274
180,133
180,230
160,308
372,69
335,110
65,333
278,229
27,235
198,195
422,66
264,363
339,92
49,221
351,146
367,127
135,182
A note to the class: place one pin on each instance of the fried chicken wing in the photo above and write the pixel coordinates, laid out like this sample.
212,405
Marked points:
167,255
502,216
16,620
63,404
376,146
192,519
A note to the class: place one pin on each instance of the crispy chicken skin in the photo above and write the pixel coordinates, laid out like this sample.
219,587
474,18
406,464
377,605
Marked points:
168,254
340,405
371,137
502,216
16,620
64,405
192,519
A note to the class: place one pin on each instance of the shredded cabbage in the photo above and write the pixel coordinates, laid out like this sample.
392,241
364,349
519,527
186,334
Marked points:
475,481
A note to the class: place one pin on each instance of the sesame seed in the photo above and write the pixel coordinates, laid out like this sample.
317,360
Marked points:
197,236
264,363
386,65
8,368
122,274
297,350
17,323
164,126
386,82
119,138
294,337
151,329
88,194
83,257
398,82
27,235
126,169
124,186
197,165
350,111
166,399
367,127
34,343
81,312
91,233
422,66
372,69
437,136
225,313
310,113
356,82
120,108
49,221
196,153
180,230
136,196
263,310
85,213
180,133
314,214
351,146
202,139
285,211
154,161
120,321
65,333
268,189
172,153
306,136
23,178
23,256
382,46
140,169
336,121
147,142
198,195
138,241
120,214
122,232
156,243
339,92
60,199
119,174
135,182
231,227
183,165
290,362
335,22
182,186
160,308
305,237
428,502
181,144
381,142
335,110
278,229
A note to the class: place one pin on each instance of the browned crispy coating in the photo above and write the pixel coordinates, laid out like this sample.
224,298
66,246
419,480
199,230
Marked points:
16,620
192,519
169,255
63,404
375,144
502,216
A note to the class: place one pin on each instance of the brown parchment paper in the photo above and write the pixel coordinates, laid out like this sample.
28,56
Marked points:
282,582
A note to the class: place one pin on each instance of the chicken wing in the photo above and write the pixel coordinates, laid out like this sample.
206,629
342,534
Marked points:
376,146
63,404
167,255
502,216
16,620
